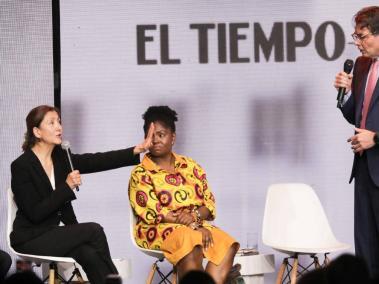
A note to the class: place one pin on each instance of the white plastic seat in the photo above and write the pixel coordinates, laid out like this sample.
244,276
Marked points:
295,223
37,259
153,253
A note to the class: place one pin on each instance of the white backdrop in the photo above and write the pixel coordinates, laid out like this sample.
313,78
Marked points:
249,124
26,80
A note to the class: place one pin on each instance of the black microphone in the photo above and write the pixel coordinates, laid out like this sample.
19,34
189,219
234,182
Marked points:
66,146
347,67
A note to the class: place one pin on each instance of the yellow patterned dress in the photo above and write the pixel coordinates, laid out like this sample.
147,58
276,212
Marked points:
153,192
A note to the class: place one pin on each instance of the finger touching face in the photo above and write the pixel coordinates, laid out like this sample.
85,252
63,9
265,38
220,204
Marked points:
163,140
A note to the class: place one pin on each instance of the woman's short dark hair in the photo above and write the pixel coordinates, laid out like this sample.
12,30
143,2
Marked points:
34,119
163,114
368,17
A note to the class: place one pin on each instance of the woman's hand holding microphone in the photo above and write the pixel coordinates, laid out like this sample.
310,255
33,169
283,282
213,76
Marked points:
74,179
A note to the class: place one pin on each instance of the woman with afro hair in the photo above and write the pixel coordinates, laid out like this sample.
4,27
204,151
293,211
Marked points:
173,202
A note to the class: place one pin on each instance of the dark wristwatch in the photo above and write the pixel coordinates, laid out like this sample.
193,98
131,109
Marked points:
376,138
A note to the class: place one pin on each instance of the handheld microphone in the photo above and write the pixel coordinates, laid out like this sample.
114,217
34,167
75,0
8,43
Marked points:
347,67
66,146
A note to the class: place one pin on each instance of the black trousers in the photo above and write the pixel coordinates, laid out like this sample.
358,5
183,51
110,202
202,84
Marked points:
85,242
366,217
5,264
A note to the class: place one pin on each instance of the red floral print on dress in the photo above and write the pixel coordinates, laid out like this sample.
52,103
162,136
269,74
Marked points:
139,232
141,198
197,175
158,207
173,179
164,197
199,191
147,179
151,234
166,232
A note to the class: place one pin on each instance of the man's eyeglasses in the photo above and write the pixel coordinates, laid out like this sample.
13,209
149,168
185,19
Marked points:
359,37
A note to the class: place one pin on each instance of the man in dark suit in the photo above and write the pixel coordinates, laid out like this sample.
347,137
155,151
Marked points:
361,108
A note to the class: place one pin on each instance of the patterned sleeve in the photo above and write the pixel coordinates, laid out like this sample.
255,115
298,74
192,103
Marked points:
209,200
143,199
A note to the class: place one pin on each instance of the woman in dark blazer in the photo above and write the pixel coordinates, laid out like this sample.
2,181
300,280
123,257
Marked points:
43,186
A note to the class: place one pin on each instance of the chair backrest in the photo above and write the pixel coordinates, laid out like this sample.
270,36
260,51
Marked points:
12,210
294,221
133,221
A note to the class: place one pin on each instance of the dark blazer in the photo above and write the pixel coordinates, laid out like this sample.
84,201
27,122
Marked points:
41,208
352,111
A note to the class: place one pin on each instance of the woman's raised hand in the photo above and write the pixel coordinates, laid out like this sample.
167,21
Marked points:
147,142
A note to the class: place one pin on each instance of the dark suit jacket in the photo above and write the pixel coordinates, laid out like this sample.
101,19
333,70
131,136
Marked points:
352,111
39,206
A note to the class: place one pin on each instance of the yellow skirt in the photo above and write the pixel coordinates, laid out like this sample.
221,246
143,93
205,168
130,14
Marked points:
183,240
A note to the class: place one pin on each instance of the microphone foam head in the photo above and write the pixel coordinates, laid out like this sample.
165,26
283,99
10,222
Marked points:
65,145
348,66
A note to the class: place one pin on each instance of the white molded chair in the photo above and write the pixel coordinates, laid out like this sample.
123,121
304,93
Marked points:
38,259
153,253
295,223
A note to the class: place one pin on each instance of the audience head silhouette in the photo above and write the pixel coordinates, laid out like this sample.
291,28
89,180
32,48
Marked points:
198,277
345,269
24,277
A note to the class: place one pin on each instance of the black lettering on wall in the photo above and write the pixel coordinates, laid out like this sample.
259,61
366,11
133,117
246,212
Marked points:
329,42
203,40
339,41
141,47
165,54
234,37
292,43
276,41
221,35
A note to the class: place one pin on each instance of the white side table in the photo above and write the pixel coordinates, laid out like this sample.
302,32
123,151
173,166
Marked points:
255,266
